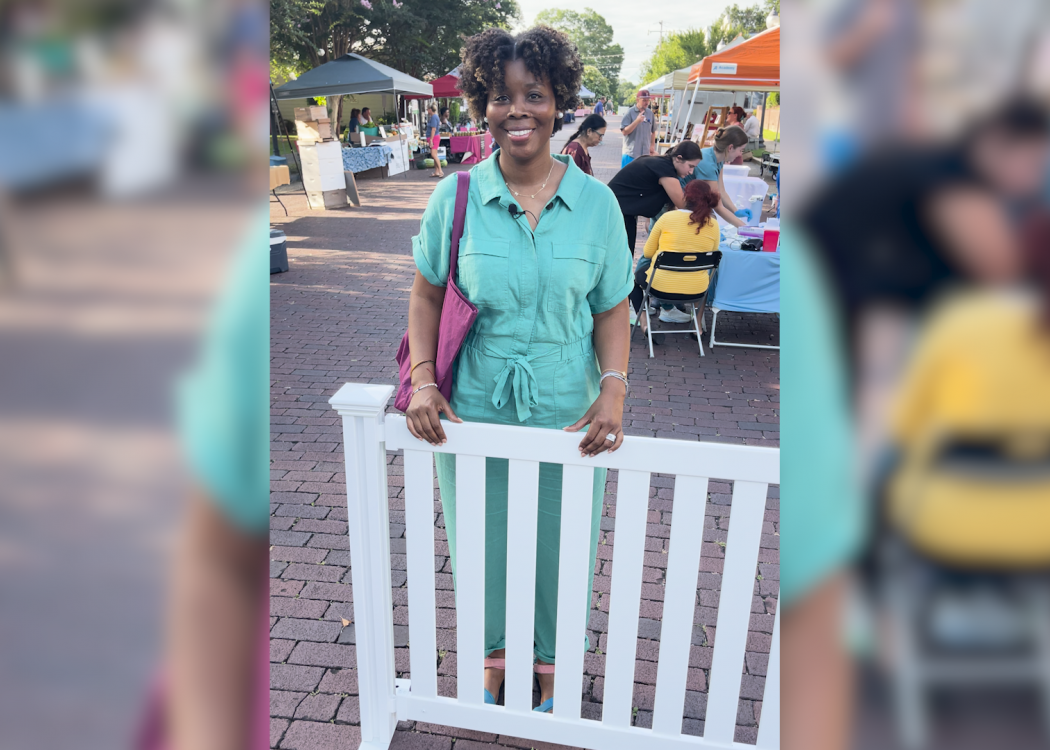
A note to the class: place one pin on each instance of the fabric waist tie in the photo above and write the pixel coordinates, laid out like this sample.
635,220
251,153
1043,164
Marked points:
517,379
516,375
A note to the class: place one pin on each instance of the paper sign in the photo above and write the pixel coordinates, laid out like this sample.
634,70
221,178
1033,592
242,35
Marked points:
723,69
382,132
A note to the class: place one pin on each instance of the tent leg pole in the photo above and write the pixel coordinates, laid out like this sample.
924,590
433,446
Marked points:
685,125
295,156
400,135
674,120
762,124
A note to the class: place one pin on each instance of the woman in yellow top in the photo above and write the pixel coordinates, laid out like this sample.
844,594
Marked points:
972,424
692,229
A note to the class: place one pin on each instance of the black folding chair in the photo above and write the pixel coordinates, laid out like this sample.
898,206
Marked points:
678,264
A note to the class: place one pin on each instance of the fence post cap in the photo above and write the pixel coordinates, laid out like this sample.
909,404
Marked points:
362,399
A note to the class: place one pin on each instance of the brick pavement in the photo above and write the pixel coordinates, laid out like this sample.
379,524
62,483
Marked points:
338,315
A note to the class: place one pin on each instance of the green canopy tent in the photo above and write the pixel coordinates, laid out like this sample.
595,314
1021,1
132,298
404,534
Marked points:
354,74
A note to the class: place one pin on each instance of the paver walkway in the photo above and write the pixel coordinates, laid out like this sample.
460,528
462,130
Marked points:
338,315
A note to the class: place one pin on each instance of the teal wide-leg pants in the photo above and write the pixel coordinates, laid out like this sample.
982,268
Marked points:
548,537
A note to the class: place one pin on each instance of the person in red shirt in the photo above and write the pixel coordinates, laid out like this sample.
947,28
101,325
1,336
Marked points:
589,134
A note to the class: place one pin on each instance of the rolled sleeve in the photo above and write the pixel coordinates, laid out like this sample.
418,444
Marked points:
616,280
430,248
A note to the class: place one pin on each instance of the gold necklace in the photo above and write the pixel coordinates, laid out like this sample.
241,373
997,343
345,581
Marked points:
541,186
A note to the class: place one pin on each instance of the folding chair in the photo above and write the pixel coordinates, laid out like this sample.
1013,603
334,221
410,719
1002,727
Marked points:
677,263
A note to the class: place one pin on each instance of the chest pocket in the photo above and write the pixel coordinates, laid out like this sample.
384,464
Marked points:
575,269
484,272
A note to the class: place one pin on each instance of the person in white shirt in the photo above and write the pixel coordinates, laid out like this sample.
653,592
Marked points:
753,129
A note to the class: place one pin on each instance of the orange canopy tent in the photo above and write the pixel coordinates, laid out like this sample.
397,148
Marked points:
752,65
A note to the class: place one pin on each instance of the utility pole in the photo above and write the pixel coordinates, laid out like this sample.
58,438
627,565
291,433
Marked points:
661,23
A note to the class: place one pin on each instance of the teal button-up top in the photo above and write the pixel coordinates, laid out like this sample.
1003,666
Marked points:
529,358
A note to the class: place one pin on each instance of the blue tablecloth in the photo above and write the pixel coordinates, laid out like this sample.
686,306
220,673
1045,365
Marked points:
369,157
747,282
41,144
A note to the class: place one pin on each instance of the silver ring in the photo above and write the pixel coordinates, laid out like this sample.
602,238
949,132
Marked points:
611,436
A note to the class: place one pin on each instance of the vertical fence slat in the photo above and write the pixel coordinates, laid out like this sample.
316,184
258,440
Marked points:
419,540
470,578
573,597
683,567
769,724
524,478
734,609
632,508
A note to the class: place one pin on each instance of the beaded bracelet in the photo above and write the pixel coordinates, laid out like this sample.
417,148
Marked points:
428,385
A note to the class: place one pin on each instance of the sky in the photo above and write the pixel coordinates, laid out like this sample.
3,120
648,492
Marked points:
636,28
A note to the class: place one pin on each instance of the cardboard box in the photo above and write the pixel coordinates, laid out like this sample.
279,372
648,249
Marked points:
311,113
351,188
280,176
326,199
312,131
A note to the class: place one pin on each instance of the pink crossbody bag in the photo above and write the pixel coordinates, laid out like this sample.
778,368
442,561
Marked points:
457,315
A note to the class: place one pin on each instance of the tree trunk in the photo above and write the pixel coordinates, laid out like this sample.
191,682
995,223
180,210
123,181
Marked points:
337,114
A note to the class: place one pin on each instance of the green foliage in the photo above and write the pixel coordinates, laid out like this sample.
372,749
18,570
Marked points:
676,51
736,21
773,99
595,81
419,37
453,111
593,37
625,92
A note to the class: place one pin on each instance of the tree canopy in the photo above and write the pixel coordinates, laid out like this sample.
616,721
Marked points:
596,82
593,36
419,37
678,50
625,92
736,21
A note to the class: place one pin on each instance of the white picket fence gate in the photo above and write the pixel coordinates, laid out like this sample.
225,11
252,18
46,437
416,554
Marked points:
384,700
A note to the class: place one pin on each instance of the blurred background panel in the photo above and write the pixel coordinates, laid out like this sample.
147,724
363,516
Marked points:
916,182
132,148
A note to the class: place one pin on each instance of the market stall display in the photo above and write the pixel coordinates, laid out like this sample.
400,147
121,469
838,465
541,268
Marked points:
746,282
323,174
362,159
464,144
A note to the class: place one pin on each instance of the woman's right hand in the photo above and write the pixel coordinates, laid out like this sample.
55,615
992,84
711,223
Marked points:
423,415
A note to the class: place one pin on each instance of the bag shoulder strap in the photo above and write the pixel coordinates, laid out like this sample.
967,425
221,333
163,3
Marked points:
458,219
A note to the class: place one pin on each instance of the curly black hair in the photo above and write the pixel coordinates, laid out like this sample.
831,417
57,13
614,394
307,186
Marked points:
546,52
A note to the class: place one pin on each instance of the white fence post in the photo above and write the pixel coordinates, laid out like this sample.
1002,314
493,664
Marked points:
362,408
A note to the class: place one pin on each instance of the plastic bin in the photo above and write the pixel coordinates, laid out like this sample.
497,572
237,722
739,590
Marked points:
743,190
736,170
278,251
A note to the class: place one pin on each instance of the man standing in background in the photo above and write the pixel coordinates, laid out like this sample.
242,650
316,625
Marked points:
638,128
599,106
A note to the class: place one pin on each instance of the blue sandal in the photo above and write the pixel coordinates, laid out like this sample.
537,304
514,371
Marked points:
494,664
547,705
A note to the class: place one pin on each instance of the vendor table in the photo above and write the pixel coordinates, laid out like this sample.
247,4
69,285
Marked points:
461,144
369,157
746,281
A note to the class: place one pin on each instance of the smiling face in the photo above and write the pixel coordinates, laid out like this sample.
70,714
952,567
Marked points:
521,117
733,152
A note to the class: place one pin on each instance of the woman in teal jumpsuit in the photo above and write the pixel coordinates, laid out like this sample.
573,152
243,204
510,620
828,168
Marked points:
542,259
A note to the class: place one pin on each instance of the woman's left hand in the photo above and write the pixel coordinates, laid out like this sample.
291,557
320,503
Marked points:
605,418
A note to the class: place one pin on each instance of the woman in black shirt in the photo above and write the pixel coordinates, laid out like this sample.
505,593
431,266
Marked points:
648,183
